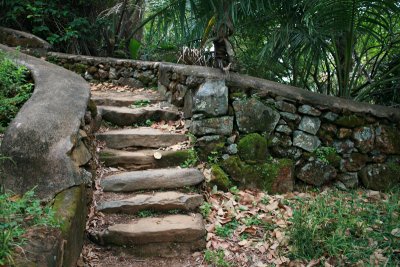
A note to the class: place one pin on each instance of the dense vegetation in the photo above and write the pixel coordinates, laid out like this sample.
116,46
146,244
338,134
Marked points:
15,90
347,48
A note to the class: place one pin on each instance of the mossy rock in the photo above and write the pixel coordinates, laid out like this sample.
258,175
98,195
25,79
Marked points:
273,176
207,144
70,207
79,68
253,148
381,177
350,121
220,178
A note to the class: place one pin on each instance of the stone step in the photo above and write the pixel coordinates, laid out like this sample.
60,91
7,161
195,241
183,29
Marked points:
143,159
140,137
152,179
124,116
166,236
124,99
159,201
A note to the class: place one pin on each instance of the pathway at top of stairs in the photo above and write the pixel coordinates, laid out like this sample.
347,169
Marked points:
147,205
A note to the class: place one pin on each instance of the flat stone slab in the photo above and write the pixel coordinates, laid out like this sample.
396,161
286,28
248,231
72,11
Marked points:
159,201
143,159
124,99
124,116
169,229
140,137
152,179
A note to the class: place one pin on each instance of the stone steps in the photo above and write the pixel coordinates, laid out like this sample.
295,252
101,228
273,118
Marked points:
159,201
140,137
162,236
124,99
124,116
143,159
151,179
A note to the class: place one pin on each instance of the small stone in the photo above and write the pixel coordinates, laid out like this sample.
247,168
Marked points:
305,141
289,116
310,124
316,173
344,147
284,152
231,140
339,185
284,129
112,74
344,133
284,106
225,156
364,138
92,70
349,179
232,149
87,76
103,74
282,122
330,116
220,126
308,110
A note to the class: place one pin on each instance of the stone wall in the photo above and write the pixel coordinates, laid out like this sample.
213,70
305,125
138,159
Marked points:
50,143
325,139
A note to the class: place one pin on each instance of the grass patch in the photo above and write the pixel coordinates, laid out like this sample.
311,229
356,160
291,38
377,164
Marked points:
348,227
17,213
227,229
140,103
15,89
216,258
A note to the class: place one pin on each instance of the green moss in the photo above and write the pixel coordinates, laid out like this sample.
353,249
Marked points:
350,121
177,158
205,150
79,68
220,178
328,155
253,148
92,108
260,175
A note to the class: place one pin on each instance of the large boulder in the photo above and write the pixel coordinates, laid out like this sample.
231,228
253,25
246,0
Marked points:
253,116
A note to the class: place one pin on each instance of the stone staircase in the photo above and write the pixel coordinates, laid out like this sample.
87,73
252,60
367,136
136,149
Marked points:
146,180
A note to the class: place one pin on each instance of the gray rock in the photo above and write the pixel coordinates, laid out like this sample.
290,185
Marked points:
339,185
211,98
87,76
344,146
305,141
112,74
285,106
349,179
284,152
103,74
220,125
308,110
364,138
194,81
130,82
290,116
253,116
310,124
317,173
232,149
283,129
231,140
330,116
380,176
188,104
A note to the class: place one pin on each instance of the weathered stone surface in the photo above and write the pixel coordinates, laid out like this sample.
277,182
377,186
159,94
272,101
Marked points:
387,139
172,228
159,201
344,146
81,154
188,104
330,116
289,116
327,133
284,152
151,179
179,95
283,129
281,140
130,82
140,137
253,147
220,125
124,99
123,116
70,206
193,81
253,116
344,133
350,121
16,38
305,141
43,247
355,162
308,110
232,149
316,173
39,140
349,179
285,106
219,178
143,159
210,143
310,124
274,177
364,138
211,98
380,176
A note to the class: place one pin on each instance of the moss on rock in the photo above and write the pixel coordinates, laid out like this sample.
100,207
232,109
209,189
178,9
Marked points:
350,121
253,148
220,178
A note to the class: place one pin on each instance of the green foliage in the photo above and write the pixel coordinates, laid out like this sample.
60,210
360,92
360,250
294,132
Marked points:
134,46
227,229
14,88
350,227
191,160
140,103
213,157
216,258
145,213
17,214
325,154
205,209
